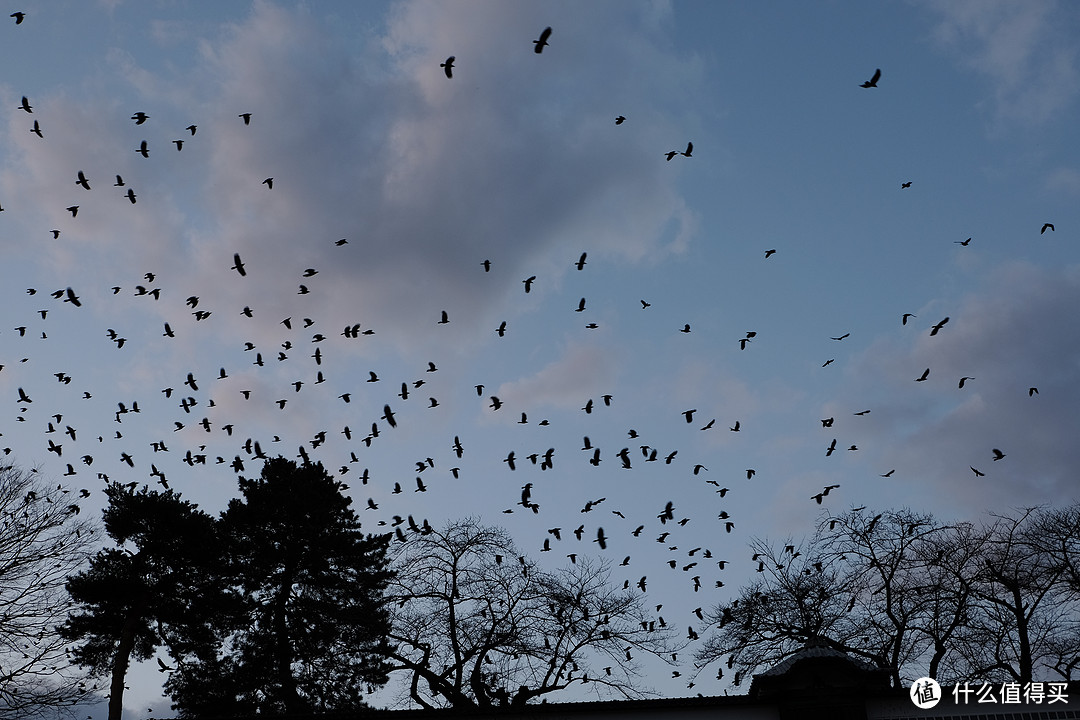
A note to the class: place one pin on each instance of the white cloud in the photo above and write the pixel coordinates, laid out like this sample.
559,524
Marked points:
1026,50
1016,332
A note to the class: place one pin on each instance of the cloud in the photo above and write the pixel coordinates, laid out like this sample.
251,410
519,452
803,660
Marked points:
1025,50
515,160
581,371
1015,332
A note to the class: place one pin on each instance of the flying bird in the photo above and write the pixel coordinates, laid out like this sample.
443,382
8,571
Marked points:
542,41
30,108
448,66
142,149
580,264
872,82
1045,227
19,17
934,330
140,117
620,120
528,282
36,129
238,265
246,117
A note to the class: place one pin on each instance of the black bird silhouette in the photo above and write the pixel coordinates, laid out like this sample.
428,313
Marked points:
269,183
140,117
388,416
30,108
689,150
238,265
542,41
142,150
872,82
19,16
130,196
997,454
926,374
964,380
934,330
1045,227
965,243
580,264
448,66
246,117
36,129
905,316
620,120
528,282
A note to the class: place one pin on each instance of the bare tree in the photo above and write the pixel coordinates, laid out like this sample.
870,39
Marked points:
1025,616
477,624
802,593
910,612
42,541
958,602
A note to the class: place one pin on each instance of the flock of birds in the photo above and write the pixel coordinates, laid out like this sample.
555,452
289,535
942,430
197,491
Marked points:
197,425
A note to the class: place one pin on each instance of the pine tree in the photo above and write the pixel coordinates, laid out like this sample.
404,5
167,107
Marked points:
131,598
312,624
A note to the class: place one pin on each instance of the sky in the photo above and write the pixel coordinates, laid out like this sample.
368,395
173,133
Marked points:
791,219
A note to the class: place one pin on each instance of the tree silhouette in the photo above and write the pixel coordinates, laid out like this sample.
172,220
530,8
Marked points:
305,623
958,602
42,540
131,598
477,624
1024,612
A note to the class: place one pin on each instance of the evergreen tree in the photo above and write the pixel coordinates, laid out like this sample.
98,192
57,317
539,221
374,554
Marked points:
132,599
311,622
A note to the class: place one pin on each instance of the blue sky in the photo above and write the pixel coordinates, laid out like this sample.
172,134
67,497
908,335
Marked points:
517,159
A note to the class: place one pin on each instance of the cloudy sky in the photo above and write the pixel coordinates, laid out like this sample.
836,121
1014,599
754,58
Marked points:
517,160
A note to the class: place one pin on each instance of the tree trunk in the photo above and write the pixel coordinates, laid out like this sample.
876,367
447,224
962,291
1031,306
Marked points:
123,655
283,648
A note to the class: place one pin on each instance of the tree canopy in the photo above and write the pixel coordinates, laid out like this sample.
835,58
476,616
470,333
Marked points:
304,622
